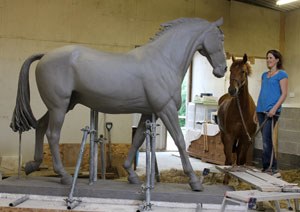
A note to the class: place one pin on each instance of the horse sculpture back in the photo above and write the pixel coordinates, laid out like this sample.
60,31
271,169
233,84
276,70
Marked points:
236,124
145,80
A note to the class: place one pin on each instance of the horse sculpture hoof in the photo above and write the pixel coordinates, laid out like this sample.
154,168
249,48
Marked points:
31,167
134,180
66,180
196,186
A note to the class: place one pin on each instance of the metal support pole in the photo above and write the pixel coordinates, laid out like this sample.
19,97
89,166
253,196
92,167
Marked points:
103,161
153,144
93,146
150,161
148,165
71,203
95,177
19,155
19,201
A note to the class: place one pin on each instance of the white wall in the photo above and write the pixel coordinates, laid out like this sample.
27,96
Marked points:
205,82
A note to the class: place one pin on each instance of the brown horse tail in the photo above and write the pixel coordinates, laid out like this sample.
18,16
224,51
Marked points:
23,118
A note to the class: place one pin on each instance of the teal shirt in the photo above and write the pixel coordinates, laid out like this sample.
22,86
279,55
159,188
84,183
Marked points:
270,91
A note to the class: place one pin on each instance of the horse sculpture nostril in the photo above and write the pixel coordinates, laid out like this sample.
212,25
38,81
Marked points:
225,68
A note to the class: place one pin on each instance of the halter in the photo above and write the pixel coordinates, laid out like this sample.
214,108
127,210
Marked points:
239,83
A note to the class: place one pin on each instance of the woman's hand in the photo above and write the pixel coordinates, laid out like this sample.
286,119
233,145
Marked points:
272,112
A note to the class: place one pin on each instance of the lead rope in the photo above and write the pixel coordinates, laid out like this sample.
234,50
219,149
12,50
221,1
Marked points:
243,121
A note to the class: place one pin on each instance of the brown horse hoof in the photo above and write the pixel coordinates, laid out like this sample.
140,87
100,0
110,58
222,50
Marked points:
31,166
226,179
134,179
66,180
196,186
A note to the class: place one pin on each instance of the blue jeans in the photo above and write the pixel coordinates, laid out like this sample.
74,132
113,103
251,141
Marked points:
266,132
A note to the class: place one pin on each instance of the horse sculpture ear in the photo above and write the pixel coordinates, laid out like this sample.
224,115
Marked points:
245,59
219,22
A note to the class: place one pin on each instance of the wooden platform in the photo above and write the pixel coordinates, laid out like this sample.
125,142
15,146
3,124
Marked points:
269,188
250,198
260,181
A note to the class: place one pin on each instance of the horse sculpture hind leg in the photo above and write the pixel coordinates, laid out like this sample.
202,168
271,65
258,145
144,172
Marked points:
169,117
56,119
138,140
40,131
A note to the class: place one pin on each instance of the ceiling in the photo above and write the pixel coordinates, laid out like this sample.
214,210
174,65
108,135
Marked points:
271,4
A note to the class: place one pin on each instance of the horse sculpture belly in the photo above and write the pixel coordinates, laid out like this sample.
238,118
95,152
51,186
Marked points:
145,80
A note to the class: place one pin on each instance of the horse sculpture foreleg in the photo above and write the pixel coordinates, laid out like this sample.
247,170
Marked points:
56,119
41,128
169,117
138,140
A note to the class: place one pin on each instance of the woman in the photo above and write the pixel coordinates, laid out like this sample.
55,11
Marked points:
273,92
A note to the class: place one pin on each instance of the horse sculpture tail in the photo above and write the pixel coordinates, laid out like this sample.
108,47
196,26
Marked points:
23,118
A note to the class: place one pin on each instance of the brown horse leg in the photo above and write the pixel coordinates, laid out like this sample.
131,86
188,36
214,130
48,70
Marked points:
242,151
40,131
138,140
169,117
56,119
228,144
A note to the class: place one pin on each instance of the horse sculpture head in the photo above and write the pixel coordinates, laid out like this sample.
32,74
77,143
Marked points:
239,72
213,48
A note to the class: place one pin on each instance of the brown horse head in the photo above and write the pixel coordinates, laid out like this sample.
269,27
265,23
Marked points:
239,72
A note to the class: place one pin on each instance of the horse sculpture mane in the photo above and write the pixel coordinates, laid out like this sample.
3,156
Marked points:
146,80
235,113
165,27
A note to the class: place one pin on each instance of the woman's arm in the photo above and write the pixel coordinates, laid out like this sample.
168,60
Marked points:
284,91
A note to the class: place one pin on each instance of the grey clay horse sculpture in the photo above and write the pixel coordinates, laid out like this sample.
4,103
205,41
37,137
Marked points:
145,80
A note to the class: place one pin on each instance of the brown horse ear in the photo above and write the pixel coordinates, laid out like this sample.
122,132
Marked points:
233,58
245,59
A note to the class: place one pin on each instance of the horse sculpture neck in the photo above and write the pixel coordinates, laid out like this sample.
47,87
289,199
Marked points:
177,43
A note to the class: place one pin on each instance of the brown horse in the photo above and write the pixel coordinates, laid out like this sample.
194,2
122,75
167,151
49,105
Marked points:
235,113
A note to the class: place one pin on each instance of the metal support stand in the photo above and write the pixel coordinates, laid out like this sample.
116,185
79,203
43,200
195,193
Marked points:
151,164
93,147
19,155
94,140
72,203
